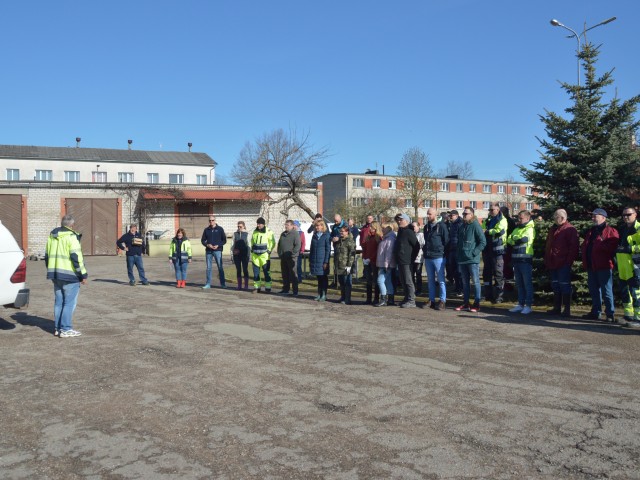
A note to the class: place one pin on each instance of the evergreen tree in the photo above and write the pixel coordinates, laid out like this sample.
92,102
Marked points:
588,159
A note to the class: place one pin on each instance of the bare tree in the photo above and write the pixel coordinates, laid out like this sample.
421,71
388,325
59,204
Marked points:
508,198
280,160
416,178
373,203
461,169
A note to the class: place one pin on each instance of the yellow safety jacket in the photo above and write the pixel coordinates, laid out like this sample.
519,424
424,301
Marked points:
63,256
497,235
262,243
522,240
629,263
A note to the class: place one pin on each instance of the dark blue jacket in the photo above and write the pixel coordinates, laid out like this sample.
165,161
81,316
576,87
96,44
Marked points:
454,229
335,229
319,254
128,240
214,236
436,240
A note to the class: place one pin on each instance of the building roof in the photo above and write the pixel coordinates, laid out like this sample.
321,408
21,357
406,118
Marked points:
105,155
440,179
155,194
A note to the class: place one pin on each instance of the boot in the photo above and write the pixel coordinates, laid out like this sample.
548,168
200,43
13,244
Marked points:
369,295
566,300
383,301
497,295
239,283
557,304
178,282
246,283
323,298
488,293
184,284
391,301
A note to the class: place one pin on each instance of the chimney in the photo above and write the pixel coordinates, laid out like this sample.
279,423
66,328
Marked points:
190,145
78,139
129,142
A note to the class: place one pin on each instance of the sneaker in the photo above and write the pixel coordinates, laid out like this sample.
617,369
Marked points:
255,290
517,309
459,294
624,321
527,310
633,324
56,333
69,333
223,286
475,308
133,284
463,308
611,319
145,283
591,316
408,305
204,287
441,306
283,292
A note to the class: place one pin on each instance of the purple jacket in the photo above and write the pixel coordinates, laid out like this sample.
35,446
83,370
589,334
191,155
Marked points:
386,258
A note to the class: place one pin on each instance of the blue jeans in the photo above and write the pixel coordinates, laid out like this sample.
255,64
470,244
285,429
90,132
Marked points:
385,280
137,261
468,271
561,279
435,268
65,300
523,273
181,270
600,282
217,254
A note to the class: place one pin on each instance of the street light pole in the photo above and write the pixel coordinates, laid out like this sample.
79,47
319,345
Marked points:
556,23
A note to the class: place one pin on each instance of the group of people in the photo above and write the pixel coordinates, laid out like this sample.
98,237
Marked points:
392,255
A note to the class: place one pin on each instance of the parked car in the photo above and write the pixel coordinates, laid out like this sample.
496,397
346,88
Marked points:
13,272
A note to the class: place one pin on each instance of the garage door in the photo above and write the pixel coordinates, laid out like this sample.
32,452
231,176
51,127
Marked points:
97,221
194,219
11,215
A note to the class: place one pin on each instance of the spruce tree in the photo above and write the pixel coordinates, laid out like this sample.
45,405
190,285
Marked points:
588,160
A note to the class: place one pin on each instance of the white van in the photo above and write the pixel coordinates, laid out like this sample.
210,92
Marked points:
13,272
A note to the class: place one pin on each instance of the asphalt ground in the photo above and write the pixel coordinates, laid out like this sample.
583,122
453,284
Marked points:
170,383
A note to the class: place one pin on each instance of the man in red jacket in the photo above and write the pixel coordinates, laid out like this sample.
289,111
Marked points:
599,247
561,251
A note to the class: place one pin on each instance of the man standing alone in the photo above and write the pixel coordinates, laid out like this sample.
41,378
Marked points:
65,267
214,239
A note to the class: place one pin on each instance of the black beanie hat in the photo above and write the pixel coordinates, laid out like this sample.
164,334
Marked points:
261,221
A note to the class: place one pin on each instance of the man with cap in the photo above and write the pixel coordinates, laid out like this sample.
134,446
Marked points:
405,253
453,272
598,248
436,240
262,243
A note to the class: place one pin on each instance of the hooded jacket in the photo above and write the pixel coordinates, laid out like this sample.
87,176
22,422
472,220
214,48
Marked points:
63,256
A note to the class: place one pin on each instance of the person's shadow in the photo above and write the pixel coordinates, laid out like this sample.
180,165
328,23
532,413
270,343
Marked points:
4,325
23,318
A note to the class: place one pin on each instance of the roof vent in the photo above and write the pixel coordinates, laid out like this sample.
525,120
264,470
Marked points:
190,145
371,172
78,139
129,142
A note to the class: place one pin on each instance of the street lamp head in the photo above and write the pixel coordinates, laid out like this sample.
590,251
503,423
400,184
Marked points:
555,23
609,20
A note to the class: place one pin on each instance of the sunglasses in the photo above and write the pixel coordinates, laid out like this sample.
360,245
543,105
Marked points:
627,214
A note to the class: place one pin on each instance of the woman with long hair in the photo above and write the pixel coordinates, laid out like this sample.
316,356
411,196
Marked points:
180,256
320,257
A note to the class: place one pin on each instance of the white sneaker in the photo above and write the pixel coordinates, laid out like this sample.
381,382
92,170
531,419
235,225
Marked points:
526,310
633,324
517,309
69,333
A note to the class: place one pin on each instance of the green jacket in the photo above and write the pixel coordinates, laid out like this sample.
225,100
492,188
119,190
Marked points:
63,256
497,233
522,240
345,252
471,242
262,243
629,263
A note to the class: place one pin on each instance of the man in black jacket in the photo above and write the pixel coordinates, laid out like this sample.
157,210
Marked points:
405,251
436,240
133,243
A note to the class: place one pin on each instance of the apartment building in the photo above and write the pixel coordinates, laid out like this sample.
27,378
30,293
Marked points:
445,193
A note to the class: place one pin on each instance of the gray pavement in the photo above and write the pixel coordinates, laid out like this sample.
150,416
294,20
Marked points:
171,383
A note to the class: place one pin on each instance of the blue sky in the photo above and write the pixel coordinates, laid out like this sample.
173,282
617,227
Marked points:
461,79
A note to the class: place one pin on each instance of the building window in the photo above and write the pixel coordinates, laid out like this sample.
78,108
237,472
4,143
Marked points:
473,204
201,179
502,204
392,184
71,176
515,190
472,187
428,203
358,182
529,206
486,205
429,185
357,202
486,188
125,177
99,177
376,183
459,204
176,178
153,178
13,174
44,175
458,187
444,203
444,187
408,203
529,190
501,189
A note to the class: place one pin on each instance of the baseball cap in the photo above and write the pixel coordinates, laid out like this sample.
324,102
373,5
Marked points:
600,211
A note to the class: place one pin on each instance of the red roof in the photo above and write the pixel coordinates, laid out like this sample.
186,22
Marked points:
204,195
